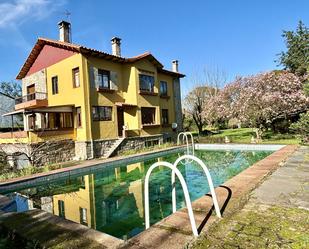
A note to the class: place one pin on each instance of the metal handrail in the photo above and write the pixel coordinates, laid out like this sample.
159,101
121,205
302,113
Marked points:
210,183
184,188
184,135
31,96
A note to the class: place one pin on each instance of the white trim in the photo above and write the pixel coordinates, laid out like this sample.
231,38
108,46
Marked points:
244,147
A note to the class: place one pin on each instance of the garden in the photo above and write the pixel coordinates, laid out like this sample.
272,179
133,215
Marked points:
269,107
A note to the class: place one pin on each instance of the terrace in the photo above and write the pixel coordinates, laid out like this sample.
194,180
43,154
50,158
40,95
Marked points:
31,100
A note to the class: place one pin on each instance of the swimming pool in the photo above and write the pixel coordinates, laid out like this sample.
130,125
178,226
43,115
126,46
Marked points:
110,199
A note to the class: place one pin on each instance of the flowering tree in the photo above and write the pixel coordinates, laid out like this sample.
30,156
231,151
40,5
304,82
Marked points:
262,99
221,107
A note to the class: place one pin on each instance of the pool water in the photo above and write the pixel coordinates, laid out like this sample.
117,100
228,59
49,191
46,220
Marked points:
111,199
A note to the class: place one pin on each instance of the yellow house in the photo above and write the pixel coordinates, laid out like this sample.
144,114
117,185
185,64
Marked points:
101,101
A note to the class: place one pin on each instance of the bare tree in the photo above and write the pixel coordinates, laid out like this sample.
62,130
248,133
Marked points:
206,84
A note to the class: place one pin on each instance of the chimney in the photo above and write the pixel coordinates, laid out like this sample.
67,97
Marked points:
116,46
64,31
175,66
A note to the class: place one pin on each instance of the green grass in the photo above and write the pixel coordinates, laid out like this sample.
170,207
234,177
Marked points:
243,135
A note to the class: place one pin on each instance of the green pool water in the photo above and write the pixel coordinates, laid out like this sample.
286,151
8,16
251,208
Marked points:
111,199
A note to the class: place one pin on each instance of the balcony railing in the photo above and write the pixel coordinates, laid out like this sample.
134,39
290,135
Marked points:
31,96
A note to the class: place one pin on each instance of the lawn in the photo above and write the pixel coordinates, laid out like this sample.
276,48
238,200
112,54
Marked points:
244,135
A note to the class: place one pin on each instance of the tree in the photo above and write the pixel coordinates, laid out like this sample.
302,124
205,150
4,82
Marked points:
302,127
221,108
296,58
261,100
207,86
12,89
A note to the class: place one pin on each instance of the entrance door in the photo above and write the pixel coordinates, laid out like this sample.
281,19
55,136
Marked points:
120,119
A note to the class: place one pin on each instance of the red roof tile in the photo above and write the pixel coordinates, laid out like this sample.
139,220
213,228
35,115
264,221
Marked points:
41,42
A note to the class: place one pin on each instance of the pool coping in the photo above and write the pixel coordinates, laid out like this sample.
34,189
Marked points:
175,226
84,166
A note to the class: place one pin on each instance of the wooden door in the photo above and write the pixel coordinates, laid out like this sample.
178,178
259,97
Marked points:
120,119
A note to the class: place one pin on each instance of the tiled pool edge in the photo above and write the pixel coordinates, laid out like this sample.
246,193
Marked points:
176,227
85,166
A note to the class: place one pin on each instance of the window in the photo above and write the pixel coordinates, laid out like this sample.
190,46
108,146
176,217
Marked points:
75,73
55,84
164,116
103,79
146,83
78,117
83,216
148,115
58,120
61,208
163,88
102,113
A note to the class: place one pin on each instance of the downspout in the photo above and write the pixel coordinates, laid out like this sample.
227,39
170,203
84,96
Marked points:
87,104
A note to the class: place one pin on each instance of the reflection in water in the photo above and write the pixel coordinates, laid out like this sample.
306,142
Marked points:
111,199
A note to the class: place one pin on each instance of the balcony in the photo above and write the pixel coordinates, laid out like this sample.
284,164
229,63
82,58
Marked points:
32,100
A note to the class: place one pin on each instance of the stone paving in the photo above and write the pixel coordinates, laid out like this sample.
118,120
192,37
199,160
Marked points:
276,216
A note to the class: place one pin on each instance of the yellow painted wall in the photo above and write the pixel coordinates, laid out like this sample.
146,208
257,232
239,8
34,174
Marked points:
168,103
68,95
105,129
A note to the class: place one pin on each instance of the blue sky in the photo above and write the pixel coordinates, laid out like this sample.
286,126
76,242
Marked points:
240,37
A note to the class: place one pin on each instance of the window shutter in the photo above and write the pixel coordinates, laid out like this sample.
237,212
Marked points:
94,81
114,80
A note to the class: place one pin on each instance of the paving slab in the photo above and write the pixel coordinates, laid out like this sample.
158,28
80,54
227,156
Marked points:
289,185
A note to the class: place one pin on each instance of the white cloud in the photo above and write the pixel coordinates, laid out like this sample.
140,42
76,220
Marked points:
14,14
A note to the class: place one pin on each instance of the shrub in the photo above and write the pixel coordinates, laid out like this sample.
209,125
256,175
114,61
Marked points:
302,127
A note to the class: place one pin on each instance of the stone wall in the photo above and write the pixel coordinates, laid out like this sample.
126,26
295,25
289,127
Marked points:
100,147
66,150
53,152
40,153
133,143
83,150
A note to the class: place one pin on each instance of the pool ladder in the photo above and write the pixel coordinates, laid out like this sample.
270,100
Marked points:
176,172
184,136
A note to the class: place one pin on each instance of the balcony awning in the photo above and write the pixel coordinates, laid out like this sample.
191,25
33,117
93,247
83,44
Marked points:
53,109
13,113
40,110
125,105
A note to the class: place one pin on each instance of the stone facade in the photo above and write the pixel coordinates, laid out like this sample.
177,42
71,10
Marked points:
38,78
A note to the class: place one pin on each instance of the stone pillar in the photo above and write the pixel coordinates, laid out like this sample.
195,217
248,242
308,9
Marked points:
82,150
